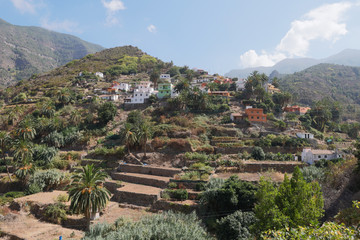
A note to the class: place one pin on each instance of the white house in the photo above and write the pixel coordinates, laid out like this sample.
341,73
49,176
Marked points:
112,97
120,86
139,96
144,85
311,156
164,76
305,135
142,92
99,74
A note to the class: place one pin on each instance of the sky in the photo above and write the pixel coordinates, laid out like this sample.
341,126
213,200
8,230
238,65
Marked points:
208,34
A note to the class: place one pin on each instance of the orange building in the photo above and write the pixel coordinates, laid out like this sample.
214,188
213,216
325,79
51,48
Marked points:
219,93
296,109
252,114
255,114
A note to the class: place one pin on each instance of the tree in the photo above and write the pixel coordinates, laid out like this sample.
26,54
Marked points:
235,226
295,203
106,113
23,154
258,153
130,136
154,77
26,131
87,194
144,133
5,146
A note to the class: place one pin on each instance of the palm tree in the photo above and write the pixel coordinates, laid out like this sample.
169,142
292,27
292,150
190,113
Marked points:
75,117
144,133
87,195
26,131
23,154
130,136
5,146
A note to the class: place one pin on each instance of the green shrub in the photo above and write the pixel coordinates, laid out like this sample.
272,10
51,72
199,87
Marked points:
44,155
200,187
62,198
258,153
235,226
55,213
221,199
178,194
172,185
167,225
60,164
47,179
14,194
312,173
33,188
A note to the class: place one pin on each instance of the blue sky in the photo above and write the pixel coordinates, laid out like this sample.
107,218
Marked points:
209,34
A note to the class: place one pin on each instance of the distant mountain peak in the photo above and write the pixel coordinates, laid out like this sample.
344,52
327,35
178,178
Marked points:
349,57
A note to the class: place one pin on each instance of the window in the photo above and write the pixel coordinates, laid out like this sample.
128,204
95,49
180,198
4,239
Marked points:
325,156
319,156
252,117
135,95
141,95
257,112
263,118
258,118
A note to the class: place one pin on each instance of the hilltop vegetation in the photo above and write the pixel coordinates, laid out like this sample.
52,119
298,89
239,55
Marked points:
335,82
31,50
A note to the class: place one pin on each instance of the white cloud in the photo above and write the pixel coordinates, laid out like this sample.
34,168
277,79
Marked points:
24,6
323,23
151,28
252,59
112,7
61,26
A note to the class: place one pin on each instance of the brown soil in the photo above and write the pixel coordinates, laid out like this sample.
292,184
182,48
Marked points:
25,226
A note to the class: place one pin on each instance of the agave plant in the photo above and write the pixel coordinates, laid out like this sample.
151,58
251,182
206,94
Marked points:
87,194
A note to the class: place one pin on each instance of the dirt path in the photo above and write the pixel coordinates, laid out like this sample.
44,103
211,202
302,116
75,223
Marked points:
25,226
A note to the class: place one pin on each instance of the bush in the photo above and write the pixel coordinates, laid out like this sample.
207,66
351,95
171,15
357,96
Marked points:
258,153
54,139
33,188
62,198
44,155
14,194
178,194
55,213
47,180
233,195
118,152
172,185
313,173
106,113
167,225
235,226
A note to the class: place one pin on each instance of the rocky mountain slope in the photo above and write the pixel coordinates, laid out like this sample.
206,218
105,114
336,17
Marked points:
31,50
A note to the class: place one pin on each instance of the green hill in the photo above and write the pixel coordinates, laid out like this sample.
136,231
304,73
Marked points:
31,50
336,82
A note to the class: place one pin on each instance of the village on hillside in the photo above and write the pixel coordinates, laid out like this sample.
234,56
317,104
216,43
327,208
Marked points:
176,141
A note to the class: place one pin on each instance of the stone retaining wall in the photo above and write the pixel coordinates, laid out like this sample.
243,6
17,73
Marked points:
174,206
284,167
132,168
235,150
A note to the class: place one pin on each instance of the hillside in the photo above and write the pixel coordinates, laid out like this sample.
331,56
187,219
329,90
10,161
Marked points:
128,63
31,50
349,57
337,82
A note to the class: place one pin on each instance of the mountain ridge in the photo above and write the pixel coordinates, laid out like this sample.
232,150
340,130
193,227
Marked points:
28,50
348,57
